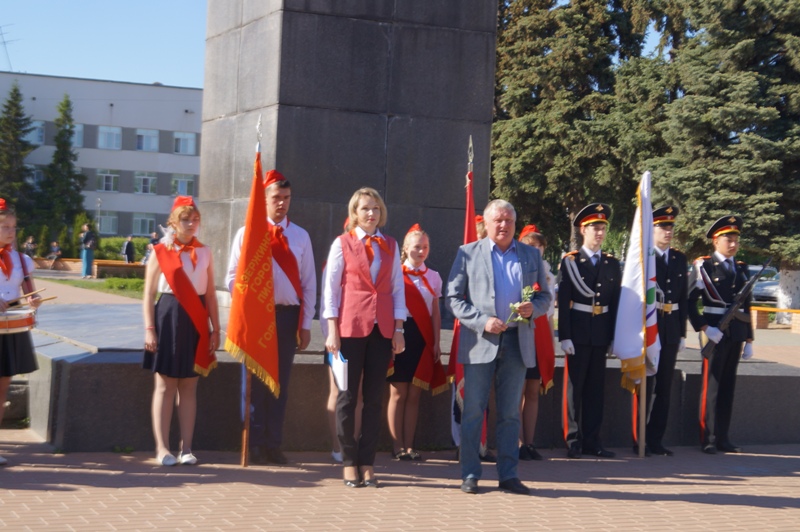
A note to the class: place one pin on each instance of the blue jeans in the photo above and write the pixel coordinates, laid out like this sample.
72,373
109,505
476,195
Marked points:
87,256
508,372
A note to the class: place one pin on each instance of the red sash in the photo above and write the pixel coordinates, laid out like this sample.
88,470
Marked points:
545,351
288,263
172,267
429,375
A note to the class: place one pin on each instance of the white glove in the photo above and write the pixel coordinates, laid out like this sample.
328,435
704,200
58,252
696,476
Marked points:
567,347
682,346
747,352
714,334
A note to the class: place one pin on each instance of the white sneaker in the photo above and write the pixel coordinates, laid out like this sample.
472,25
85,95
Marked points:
187,458
168,460
337,456
3,461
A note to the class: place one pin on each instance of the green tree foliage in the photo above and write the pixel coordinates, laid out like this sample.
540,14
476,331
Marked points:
733,134
60,197
14,174
552,146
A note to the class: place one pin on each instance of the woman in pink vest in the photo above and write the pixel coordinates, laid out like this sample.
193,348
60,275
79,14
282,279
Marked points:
365,308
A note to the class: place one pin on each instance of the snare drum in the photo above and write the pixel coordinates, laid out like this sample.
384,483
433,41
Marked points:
17,321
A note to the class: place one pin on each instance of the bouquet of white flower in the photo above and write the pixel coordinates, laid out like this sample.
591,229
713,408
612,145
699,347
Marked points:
527,294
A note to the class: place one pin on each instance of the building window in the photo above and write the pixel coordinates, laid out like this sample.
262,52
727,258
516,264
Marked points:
108,180
182,185
143,223
77,136
185,143
36,135
107,222
145,182
36,177
109,138
147,139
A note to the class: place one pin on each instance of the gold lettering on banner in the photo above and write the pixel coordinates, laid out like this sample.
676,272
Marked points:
267,336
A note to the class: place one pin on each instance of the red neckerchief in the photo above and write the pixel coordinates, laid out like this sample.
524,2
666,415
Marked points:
190,248
287,261
6,265
183,289
368,245
421,275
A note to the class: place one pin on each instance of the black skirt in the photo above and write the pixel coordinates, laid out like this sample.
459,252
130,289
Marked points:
16,354
177,340
405,363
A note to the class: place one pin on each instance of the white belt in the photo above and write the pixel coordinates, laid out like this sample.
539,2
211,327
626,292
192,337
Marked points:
717,310
594,310
667,307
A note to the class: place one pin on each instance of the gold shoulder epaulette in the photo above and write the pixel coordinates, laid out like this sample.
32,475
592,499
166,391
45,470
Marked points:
571,255
606,254
702,258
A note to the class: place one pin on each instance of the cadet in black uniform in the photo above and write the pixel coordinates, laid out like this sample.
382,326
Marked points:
588,295
717,279
672,304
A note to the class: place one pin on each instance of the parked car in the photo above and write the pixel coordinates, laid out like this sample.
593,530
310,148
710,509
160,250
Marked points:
768,272
767,290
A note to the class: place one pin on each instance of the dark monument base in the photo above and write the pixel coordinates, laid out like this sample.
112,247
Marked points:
101,401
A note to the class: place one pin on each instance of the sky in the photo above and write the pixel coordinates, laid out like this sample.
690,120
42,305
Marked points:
141,41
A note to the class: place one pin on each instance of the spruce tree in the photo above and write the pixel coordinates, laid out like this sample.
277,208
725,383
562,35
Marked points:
61,189
552,149
14,174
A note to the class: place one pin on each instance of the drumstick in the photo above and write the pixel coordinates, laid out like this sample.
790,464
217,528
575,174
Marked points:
40,301
26,295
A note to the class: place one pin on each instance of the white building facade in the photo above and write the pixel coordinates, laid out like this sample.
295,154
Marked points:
138,145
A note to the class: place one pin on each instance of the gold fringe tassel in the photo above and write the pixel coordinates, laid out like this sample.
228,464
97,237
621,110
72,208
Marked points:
439,389
254,367
203,372
421,383
633,369
546,387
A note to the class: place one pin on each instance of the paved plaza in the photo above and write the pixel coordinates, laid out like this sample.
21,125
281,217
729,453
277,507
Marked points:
41,489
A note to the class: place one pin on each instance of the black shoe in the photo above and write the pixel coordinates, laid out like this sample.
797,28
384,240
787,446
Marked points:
413,454
489,458
514,486
401,455
636,450
709,448
275,456
574,452
371,483
660,450
353,483
728,447
600,453
470,485
525,454
529,452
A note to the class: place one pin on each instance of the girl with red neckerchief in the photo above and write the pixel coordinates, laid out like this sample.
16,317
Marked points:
16,349
413,369
182,329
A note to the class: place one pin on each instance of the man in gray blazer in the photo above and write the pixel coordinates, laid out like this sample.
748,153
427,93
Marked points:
487,278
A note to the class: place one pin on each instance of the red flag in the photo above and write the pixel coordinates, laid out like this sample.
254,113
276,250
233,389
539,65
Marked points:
455,371
254,341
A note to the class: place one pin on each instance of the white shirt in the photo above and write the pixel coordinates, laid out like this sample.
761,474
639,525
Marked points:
197,274
332,289
285,294
662,253
591,254
11,288
433,278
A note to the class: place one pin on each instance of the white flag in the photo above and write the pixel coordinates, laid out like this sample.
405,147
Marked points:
636,341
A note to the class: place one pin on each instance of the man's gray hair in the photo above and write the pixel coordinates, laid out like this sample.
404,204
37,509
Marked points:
498,204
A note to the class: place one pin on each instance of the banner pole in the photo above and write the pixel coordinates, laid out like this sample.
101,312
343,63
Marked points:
246,428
